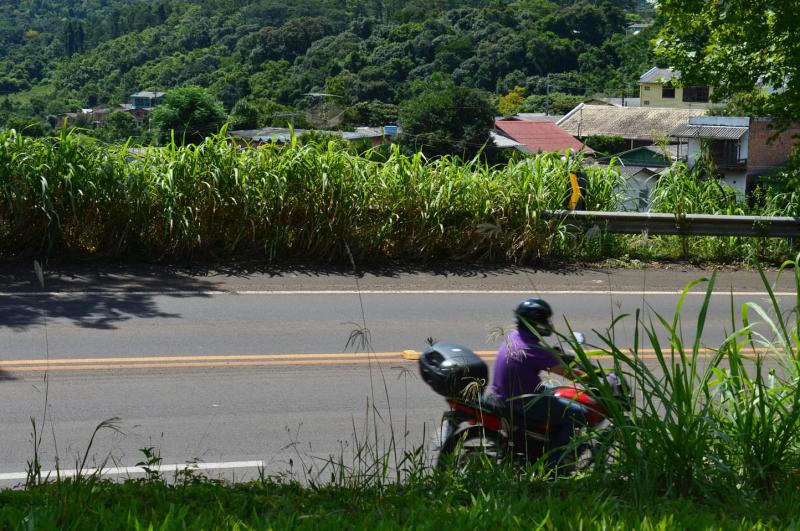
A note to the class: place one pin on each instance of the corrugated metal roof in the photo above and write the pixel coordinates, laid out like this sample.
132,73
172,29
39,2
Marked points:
363,132
147,94
631,123
659,75
630,171
502,141
537,116
282,134
714,132
671,150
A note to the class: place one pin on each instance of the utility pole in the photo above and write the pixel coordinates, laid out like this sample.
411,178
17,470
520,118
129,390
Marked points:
547,96
290,115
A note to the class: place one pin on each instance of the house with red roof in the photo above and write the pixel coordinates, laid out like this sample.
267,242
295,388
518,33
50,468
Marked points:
537,136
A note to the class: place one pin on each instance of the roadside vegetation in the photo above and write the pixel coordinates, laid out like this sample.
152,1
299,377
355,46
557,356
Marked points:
73,197
711,441
481,499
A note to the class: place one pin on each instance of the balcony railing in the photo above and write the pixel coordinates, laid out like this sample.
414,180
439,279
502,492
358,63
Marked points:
731,163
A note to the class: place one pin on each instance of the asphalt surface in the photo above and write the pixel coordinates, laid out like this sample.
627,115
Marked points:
230,366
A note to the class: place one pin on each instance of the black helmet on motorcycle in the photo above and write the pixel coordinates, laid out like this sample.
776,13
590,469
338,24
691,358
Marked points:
534,313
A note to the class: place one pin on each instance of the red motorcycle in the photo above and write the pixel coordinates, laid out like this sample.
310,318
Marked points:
476,425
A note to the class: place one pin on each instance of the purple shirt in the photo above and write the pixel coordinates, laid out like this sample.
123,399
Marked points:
518,363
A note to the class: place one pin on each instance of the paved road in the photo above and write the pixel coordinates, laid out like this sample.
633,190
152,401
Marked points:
247,365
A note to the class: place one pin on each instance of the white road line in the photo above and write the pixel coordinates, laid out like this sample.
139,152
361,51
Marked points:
212,293
119,471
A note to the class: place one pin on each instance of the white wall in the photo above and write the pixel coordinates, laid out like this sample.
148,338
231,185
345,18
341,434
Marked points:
737,180
693,152
744,144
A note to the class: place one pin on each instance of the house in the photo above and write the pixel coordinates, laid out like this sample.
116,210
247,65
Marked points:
646,156
635,29
618,102
740,148
503,142
538,136
96,116
375,136
534,117
140,114
640,126
146,99
642,167
658,88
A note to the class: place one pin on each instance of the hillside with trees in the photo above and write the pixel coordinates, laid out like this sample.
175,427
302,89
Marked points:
262,58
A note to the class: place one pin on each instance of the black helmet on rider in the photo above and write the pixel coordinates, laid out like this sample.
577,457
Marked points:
534,313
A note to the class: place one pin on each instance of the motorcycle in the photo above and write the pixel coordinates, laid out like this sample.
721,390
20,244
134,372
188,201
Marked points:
478,426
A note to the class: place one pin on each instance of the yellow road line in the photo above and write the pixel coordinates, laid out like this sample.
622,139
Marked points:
245,357
343,355
39,368
254,360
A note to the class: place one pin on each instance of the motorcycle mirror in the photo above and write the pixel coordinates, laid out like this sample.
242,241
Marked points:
579,338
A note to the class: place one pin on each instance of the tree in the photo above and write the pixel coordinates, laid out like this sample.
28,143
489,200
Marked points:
119,126
741,48
191,112
555,103
511,103
244,115
286,42
73,37
371,113
447,119
27,126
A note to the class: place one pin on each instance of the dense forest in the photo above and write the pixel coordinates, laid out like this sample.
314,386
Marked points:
264,59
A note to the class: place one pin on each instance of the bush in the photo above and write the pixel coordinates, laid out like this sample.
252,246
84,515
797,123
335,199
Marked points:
607,145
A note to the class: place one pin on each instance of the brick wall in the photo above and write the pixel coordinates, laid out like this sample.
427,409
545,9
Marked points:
763,154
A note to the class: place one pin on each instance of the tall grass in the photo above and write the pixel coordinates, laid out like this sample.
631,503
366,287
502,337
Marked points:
709,420
73,196
300,201
682,191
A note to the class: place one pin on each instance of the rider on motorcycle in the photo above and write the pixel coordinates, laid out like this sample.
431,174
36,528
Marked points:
517,383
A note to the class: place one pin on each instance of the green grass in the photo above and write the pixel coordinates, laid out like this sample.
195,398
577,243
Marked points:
484,499
73,197
37,91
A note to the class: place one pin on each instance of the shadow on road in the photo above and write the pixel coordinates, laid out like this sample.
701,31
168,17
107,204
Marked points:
88,311
97,299
461,269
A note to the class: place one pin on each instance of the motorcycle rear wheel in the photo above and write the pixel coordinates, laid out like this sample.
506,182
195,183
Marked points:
469,447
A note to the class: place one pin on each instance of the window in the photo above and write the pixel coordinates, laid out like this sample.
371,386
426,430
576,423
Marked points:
668,91
695,93
647,88
646,102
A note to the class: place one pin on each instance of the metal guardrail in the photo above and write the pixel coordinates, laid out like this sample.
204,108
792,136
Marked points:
687,224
